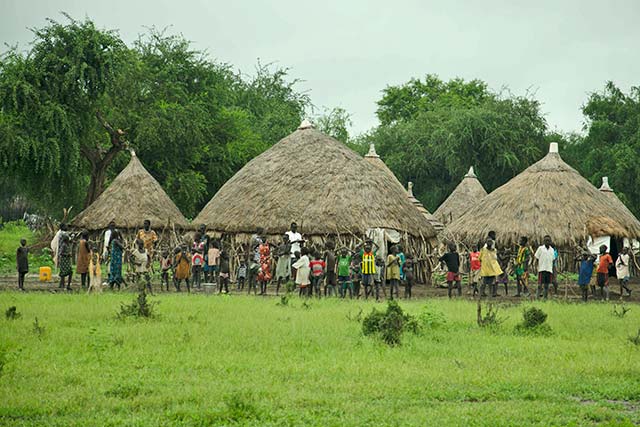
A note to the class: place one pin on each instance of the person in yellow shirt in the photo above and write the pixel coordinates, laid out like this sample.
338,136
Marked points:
392,271
149,238
489,268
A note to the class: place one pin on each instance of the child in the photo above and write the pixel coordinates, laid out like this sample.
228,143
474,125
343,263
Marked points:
330,262
181,267
213,261
302,271
489,268
474,269
378,278
264,275
224,272
452,260
283,267
241,274
408,276
22,262
522,267
82,264
393,271
140,258
403,258
603,272
95,278
197,261
165,266
622,271
317,267
344,272
64,260
368,265
503,260
586,271
355,277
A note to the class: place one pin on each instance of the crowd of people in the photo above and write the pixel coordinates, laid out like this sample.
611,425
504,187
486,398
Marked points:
314,271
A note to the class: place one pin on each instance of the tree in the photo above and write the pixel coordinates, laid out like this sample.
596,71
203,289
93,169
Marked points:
336,123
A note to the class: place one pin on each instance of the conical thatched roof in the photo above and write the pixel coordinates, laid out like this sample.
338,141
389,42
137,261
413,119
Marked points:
467,194
133,196
318,182
615,201
549,197
373,158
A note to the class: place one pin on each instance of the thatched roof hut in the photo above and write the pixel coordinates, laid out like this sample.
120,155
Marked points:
614,200
318,182
373,158
466,195
133,196
549,197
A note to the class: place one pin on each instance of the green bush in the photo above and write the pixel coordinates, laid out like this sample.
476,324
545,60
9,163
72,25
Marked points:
140,308
533,322
390,324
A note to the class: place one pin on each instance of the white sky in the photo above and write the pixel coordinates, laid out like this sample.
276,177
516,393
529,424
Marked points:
348,51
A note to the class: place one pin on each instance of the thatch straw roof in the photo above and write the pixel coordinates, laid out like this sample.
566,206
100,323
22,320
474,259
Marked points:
133,196
549,197
318,182
467,194
373,158
615,201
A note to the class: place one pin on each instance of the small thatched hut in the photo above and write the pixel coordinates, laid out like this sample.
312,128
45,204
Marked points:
133,196
463,198
322,185
373,158
615,201
549,197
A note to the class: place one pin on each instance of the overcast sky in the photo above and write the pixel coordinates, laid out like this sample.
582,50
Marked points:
348,51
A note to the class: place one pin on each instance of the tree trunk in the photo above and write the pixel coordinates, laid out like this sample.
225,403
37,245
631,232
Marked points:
96,185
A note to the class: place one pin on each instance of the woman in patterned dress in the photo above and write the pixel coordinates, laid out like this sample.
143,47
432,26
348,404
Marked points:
264,276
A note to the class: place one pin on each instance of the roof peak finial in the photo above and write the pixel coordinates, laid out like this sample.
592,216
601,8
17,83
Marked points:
306,124
605,184
410,188
553,147
471,173
133,152
372,151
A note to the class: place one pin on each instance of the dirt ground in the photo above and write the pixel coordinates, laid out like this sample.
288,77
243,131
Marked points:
570,292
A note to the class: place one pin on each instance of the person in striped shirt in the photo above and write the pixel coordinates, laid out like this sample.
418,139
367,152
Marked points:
368,265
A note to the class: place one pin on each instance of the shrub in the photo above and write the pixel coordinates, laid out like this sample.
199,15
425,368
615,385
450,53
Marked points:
38,329
533,322
635,340
431,319
12,313
140,307
390,324
490,319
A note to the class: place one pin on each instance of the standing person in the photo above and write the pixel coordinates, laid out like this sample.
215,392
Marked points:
205,241
106,241
368,265
522,267
489,268
295,240
224,272
409,277
95,270
585,273
317,266
55,243
140,258
545,255
241,274
302,272
182,267
197,260
604,263
283,265
344,272
149,238
115,262
264,275
452,261
213,261
622,271
474,270
393,271
165,266
403,259
22,262
64,260
554,276
330,262
378,278
84,256
503,260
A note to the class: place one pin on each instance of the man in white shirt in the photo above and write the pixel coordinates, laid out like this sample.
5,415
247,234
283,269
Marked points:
107,239
295,239
55,242
545,256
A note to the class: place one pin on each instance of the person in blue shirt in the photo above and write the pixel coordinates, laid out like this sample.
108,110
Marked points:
586,271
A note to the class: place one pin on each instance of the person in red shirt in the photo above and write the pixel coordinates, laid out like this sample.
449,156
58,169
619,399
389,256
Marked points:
474,270
317,266
603,272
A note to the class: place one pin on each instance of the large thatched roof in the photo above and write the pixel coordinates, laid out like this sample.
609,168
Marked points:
318,182
615,201
467,194
549,197
373,158
133,196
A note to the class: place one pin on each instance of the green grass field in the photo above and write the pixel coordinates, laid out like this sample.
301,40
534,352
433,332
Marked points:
236,360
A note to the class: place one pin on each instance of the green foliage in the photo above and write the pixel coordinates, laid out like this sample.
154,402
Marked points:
533,322
620,311
430,318
635,340
490,318
38,329
139,308
336,123
390,324
12,313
